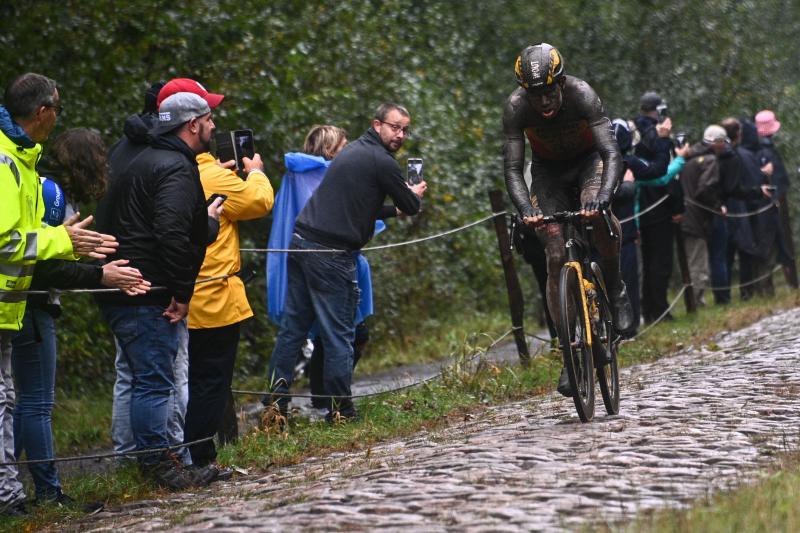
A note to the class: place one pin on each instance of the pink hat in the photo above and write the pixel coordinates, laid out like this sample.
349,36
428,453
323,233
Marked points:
766,123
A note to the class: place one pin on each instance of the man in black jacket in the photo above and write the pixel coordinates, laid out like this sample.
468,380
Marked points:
157,206
336,222
657,223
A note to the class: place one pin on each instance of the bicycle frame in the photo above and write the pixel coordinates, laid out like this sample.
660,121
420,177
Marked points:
577,259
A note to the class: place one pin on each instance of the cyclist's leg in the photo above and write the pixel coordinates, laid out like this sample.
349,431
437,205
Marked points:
550,192
591,172
553,190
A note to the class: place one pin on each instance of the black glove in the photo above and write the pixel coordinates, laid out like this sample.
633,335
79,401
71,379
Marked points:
536,212
600,202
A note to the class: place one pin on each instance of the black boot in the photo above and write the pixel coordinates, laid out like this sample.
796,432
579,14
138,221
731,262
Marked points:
621,310
564,387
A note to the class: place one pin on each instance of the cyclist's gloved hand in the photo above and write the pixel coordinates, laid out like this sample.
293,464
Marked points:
600,202
535,214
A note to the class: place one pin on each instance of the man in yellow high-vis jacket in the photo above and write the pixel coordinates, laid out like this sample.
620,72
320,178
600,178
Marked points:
31,108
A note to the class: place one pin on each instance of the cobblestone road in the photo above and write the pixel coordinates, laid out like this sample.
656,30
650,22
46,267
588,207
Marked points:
690,425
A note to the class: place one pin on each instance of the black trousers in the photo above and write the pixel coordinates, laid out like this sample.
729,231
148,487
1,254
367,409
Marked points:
212,353
657,253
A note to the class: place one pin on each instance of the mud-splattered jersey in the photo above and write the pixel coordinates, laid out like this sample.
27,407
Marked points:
579,128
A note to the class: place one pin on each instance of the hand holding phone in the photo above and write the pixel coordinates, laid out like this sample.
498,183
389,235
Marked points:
214,196
235,145
414,171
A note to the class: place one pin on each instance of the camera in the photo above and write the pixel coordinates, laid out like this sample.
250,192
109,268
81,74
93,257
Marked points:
681,138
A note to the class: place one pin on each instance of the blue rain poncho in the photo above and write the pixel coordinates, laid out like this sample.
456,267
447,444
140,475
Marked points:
303,175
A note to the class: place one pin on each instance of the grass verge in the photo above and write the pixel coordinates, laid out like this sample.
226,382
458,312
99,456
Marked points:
466,386
770,504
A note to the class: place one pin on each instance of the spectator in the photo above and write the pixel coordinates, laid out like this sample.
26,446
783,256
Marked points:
656,224
768,126
77,160
701,183
733,192
765,222
340,215
220,306
135,139
31,108
306,170
158,208
625,206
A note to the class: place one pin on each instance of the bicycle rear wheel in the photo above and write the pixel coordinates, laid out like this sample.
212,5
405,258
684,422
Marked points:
573,337
604,347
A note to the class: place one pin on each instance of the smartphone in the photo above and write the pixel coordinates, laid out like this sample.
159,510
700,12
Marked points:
414,171
214,197
235,145
680,139
771,188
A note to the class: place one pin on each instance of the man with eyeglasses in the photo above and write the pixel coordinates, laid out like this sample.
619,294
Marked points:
26,120
336,222
576,164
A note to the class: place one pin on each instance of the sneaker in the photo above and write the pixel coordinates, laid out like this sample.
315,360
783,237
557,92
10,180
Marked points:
170,474
221,473
58,498
564,388
621,310
15,510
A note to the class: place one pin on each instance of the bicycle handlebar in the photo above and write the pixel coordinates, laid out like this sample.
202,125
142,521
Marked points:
576,216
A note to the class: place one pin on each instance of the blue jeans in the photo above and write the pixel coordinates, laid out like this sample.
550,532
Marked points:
149,343
121,432
321,287
34,365
718,260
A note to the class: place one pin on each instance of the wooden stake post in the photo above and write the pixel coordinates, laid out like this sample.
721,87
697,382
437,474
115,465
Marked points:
515,300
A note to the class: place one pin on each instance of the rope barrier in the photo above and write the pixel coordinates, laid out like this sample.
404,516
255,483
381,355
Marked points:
646,210
110,455
98,291
384,246
746,214
386,391
661,317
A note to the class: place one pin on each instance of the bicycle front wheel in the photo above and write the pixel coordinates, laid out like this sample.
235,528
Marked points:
573,337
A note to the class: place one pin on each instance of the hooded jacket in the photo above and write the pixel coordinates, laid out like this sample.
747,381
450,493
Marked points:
223,302
701,184
24,240
304,173
155,206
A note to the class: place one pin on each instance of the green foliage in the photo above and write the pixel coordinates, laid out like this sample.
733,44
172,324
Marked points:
287,65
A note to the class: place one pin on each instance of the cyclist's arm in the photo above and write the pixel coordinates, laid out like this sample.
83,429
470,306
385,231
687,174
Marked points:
604,141
514,157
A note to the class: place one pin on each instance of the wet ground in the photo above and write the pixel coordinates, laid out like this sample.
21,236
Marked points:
690,425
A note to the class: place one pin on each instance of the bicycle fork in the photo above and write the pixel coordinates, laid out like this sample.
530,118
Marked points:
586,286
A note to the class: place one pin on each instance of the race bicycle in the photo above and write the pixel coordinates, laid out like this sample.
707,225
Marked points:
585,330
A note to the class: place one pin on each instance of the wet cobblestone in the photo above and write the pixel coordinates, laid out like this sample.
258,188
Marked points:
690,425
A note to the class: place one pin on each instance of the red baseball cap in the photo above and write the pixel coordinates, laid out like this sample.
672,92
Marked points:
186,85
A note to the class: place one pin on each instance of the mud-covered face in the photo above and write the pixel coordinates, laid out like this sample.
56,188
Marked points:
546,100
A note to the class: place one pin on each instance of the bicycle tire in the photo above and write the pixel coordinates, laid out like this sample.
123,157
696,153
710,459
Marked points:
605,359
578,358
